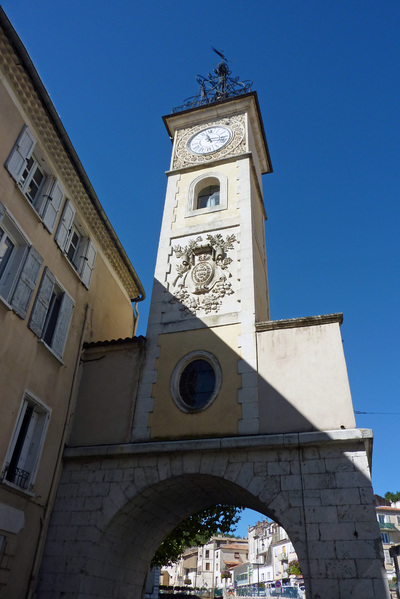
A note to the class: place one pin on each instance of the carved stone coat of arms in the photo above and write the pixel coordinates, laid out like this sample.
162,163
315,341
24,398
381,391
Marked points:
202,273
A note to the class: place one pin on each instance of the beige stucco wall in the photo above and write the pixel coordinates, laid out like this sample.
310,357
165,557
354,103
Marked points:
113,314
221,418
107,393
26,364
303,382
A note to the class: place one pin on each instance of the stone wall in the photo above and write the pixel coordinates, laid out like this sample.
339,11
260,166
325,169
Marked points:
115,504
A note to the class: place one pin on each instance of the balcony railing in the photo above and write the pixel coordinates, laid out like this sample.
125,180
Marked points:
18,477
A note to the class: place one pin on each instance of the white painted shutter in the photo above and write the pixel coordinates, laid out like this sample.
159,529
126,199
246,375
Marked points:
42,302
65,224
62,326
52,204
21,152
88,264
26,282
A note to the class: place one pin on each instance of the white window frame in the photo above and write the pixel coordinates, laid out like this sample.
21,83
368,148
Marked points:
199,183
47,202
84,256
26,451
388,559
21,273
42,308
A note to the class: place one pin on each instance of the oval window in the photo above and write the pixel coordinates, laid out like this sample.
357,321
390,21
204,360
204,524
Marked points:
196,381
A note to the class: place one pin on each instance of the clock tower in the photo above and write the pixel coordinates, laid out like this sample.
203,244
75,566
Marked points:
210,286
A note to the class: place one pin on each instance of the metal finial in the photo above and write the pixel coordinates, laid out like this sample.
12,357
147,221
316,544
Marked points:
219,54
216,87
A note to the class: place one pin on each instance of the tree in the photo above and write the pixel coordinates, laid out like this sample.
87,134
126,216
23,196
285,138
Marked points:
196,530
294,568
393,497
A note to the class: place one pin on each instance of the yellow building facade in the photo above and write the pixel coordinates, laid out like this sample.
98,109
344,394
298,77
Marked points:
64,280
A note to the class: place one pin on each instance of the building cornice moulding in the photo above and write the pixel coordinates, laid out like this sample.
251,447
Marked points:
35,101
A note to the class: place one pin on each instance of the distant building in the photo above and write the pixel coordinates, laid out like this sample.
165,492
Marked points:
270,552
204,567
389,524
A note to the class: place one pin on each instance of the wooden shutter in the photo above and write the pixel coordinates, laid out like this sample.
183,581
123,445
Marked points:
26,282
62,326
65,225
42,302
21,152
88,264
52,204
2,211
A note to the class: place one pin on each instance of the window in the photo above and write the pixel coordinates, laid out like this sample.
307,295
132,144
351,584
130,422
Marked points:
388,559
20,265
6,249
196,381
207,553
51,313
32,179
381,518
207,565
27,167
387,537
75,244
208,197
207,193
26,444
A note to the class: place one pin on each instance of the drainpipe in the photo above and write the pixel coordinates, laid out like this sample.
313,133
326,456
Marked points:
135,301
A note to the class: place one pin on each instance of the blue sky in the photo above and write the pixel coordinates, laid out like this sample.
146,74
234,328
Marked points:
327,77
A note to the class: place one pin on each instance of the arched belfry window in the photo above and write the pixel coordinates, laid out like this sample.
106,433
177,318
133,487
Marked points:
207,193
208,197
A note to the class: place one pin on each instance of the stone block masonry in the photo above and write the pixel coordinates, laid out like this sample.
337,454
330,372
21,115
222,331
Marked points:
115,504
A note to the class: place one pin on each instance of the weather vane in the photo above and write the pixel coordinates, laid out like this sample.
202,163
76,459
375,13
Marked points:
216,87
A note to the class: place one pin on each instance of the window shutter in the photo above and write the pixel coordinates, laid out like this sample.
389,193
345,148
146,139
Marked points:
26,282
65,225
52,205
62,326
21,152
42,302
88,264
2,211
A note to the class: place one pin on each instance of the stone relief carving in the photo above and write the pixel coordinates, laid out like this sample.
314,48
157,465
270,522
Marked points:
237,145
202,274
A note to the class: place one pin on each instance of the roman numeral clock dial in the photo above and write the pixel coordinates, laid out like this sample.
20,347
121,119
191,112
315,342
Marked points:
209,140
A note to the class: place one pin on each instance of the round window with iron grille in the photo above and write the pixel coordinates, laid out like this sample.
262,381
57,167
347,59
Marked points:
196,381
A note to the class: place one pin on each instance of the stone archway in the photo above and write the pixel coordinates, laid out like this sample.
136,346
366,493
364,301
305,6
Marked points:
115,504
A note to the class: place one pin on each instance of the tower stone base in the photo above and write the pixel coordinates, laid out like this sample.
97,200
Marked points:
115,505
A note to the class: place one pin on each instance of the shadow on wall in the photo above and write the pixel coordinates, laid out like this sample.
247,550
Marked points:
119,498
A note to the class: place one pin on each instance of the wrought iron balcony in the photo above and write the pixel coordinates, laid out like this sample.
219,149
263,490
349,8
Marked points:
18,477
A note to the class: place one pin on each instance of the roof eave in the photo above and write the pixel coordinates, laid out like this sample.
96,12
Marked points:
51,111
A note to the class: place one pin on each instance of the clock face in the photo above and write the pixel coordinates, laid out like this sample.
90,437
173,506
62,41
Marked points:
209,140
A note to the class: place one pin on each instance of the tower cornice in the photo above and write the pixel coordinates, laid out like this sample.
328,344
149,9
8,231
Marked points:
246,103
